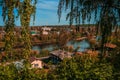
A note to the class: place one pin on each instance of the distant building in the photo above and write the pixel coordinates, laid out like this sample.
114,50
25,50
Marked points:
58,33
46,28
33,32
45,33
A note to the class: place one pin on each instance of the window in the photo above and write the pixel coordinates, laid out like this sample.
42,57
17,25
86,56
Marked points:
36,65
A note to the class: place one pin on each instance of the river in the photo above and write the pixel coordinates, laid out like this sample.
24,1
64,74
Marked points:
83,45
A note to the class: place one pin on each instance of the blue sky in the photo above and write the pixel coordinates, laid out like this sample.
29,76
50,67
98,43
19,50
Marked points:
46,14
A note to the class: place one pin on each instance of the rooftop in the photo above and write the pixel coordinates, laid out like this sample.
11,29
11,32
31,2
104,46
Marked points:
61,54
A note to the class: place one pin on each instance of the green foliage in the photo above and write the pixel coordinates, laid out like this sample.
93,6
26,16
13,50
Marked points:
116,64
26,10
32,74
80,67
114,58
84,67
9,18
9,72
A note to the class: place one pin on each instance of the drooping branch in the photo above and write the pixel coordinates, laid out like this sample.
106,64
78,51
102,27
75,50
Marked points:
24,9
105,12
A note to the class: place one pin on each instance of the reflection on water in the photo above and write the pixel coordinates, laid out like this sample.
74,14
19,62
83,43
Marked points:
36,48
82,44
47,47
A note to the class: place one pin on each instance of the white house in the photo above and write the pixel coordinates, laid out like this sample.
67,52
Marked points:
58,33
37,64
45,33
46,28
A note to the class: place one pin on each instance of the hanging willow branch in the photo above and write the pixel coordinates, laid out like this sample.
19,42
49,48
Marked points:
105,12
25,9
8,7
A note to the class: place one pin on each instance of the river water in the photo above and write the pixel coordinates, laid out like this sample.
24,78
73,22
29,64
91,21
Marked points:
83,45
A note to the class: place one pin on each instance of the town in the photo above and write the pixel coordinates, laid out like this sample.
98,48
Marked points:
59,40
43,36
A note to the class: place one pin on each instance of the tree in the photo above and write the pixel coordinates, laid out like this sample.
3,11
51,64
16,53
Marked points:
9,19
25,9
106,14
84,67
10,72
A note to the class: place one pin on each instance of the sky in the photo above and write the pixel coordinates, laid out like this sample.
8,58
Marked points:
46,14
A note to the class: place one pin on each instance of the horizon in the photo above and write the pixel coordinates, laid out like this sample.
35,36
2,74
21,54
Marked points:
54,25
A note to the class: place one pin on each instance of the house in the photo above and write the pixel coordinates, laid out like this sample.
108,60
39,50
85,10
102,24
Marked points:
46,28
58,33
59,55
33,32
37,63
45,33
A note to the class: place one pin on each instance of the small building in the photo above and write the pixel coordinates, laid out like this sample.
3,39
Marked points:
58,33
46,28
59,55
33,32
45,33
37,63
